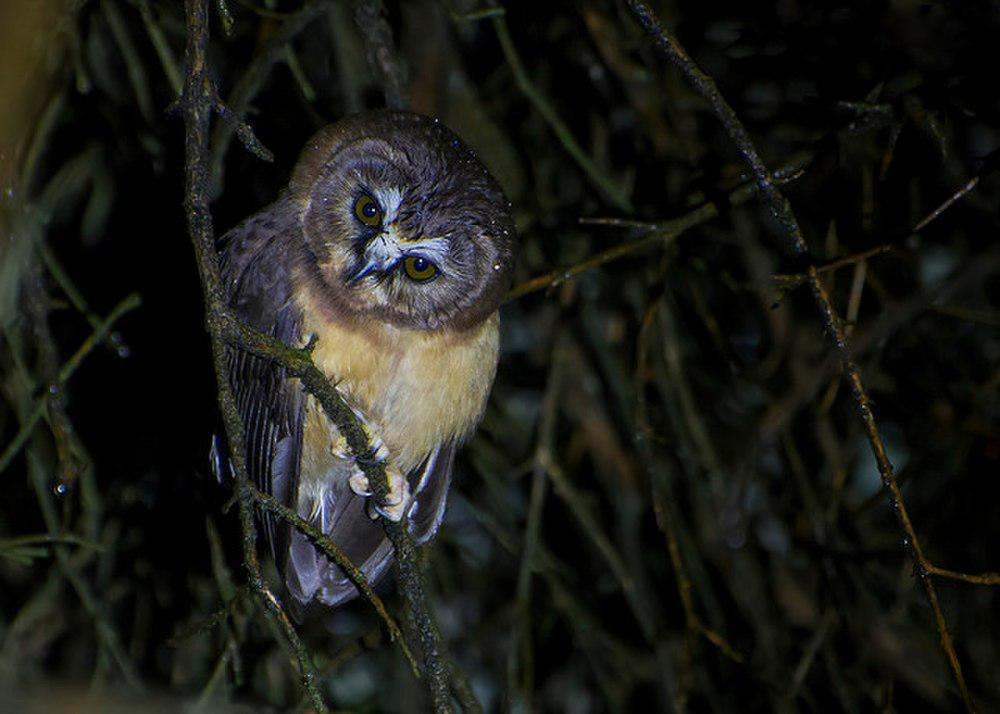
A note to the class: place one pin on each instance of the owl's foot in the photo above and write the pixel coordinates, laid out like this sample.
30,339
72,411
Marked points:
340,449
398,497
396,500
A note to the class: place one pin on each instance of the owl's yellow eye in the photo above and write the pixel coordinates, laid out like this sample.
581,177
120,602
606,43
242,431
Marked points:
419,269
367,210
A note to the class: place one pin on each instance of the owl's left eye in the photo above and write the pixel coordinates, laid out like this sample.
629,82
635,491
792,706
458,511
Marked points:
367,211
419,268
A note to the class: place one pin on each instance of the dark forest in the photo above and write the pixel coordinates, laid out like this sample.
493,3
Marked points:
742,450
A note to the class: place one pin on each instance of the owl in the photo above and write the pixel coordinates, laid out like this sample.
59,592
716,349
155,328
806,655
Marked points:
392,249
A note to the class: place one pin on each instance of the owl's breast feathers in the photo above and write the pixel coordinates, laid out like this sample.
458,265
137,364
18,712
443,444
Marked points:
419,389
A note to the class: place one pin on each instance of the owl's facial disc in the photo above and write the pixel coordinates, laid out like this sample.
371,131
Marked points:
402,223
387,244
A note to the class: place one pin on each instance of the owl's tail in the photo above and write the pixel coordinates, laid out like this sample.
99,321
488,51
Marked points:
310,575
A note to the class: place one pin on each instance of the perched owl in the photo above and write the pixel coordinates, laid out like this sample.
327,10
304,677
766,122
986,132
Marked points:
393,246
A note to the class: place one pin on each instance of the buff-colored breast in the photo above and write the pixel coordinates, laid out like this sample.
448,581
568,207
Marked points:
416,388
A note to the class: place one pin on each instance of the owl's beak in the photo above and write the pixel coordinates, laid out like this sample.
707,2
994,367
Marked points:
386,249
381,254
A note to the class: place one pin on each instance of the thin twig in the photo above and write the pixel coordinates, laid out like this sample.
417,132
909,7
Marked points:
521,661
163,50
662,498
58,272
817,640
970,184
980,579
130,55
604,183
253,77
208,623
43,539
833,265
129,303
382,58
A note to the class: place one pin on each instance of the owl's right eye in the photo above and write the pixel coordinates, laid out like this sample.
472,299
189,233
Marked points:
367,211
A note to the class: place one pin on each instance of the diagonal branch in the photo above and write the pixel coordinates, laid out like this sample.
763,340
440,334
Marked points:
889,481
705,86
781,209
335,554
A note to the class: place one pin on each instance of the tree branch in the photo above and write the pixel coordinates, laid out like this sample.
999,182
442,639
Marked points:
199,101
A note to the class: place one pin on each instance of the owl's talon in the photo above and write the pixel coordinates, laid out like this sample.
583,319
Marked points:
396,501
379,451
393,513
398,498
359,484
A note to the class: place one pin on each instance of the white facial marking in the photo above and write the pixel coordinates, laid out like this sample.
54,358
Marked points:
389,199
388,248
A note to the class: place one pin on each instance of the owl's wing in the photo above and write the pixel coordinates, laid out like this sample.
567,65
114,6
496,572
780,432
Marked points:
256,276
429,484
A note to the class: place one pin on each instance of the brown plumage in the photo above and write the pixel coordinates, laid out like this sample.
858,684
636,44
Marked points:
393,246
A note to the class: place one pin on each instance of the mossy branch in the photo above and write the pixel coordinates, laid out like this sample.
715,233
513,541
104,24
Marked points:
198,103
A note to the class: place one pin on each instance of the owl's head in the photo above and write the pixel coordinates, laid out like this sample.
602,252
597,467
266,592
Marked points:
403,222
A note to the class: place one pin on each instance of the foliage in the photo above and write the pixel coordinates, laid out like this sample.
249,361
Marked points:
672,501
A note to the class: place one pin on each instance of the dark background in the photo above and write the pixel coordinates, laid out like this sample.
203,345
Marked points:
687,379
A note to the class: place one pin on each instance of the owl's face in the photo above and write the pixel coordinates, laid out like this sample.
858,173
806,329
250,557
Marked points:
405,225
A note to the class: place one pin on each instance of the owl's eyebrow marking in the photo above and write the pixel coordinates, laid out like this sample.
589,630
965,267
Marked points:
435,249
